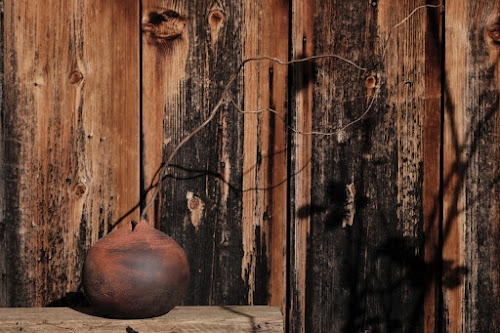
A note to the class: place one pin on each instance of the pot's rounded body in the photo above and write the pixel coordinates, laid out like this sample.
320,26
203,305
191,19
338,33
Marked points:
135,273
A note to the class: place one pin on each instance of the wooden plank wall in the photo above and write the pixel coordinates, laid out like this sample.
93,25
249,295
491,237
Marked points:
219,203
471,178
357,213
69,121
388,225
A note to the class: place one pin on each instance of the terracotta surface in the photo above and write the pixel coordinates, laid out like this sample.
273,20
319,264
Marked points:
135,273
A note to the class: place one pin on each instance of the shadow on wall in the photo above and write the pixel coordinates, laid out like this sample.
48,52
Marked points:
369,288
396,252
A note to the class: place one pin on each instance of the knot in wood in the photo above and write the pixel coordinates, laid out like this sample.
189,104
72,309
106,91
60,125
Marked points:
164,27
80,190
75,77
494,33
370,82
194,203
216,17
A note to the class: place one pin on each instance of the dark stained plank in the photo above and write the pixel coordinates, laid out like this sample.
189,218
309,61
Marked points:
70,127
215,201
432,147
357,252
192,207
471,187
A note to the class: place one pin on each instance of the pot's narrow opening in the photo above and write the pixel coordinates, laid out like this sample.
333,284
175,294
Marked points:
134,224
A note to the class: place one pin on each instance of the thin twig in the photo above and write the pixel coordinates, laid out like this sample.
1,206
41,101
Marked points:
202,173
295,61
222,101
403,21
174,152
295,130
413,12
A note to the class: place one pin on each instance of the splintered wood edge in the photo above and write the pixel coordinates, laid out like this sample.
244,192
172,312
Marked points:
205,318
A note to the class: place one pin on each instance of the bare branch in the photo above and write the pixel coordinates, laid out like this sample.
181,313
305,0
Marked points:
223,100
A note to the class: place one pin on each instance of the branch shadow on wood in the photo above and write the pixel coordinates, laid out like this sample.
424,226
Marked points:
399,252
194,173
336,210
255,327
141,203
185,173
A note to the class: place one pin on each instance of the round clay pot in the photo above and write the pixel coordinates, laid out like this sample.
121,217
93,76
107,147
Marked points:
135,272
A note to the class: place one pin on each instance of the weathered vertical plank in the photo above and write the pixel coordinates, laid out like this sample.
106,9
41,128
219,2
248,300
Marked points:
301,107
226,205
265,153
3,239
165,46
189,51
361,265
431,183
71,137
471,189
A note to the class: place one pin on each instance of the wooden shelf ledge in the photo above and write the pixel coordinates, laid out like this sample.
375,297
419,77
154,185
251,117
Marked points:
181,319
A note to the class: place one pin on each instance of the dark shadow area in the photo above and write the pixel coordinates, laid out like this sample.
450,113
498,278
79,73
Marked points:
337,207
400,261
74,300
394,267
306,69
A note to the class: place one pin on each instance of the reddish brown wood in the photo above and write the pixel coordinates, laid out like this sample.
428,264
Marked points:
302,41
229,181
471,187
265,156
200,201
70,120
165,46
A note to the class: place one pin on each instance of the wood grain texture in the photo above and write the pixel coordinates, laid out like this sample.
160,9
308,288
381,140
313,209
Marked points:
360,267
165,46
300,162
220,200
471,186
71,143
4,289
392,223
265,153
412,90
181,319
200,202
